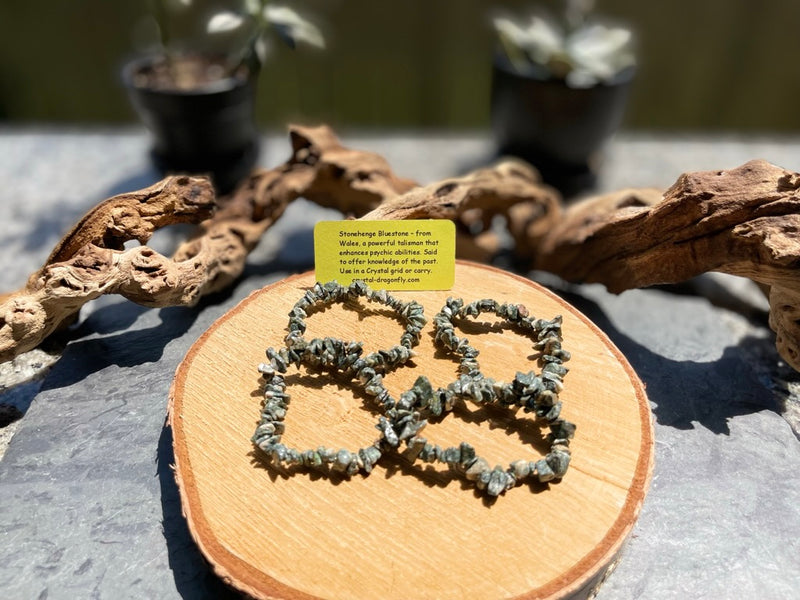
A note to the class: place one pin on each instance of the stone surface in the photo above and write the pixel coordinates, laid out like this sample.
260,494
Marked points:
722,517
88,505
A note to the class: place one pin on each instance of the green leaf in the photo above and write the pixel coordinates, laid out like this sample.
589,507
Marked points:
292,27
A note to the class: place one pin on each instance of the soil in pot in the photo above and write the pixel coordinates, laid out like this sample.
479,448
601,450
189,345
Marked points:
559,129
201,116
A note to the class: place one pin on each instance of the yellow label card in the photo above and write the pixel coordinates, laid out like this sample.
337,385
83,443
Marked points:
390,255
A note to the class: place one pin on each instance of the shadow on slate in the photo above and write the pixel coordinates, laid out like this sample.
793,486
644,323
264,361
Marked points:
718,295
683,393
126,349
288,258
194,578
255,270
130,347
116,316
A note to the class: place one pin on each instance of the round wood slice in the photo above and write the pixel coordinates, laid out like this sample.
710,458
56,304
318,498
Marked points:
406,531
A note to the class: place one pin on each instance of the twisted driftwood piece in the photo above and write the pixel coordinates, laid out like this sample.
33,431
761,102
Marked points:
511,188
91,259
740,221
744,221
320,169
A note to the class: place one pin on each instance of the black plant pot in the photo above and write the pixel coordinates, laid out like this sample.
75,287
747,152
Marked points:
209,129
558,129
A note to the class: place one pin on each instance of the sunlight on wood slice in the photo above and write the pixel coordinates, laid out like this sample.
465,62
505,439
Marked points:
406,531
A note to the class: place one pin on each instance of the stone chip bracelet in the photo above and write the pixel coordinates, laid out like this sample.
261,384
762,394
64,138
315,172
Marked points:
402,420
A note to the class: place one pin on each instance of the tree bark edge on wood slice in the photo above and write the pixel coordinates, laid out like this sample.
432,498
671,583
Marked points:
406,532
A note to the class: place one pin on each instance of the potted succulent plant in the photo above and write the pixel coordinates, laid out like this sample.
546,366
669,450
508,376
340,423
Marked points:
559,89
198,101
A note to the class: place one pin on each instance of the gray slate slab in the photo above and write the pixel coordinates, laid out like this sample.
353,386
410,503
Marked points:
88,505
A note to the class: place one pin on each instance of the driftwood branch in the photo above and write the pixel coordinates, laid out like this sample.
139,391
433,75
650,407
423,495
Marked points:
511,189
742,221
351,181
91,259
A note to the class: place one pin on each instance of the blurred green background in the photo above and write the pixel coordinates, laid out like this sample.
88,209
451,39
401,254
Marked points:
710,65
